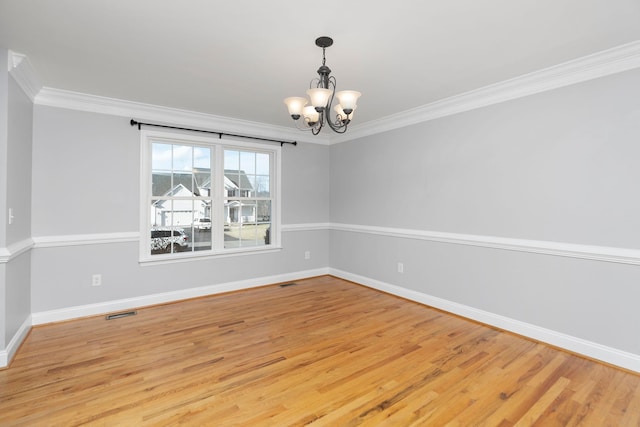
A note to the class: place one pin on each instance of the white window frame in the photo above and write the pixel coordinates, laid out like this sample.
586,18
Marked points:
217,145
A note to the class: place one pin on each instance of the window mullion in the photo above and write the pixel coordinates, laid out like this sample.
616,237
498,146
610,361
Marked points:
217,176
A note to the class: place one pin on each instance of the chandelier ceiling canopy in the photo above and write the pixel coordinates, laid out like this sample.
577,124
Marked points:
321,92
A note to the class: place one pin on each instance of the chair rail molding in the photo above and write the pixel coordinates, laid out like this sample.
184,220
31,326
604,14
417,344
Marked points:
15,249
572,250
565,249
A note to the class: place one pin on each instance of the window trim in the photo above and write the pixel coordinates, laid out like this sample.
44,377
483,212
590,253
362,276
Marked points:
218,145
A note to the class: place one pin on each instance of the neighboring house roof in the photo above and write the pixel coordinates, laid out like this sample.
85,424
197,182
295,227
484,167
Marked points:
179,191
161,185
239,178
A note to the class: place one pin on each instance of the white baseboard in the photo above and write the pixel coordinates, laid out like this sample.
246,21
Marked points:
161,298
7,354
590,349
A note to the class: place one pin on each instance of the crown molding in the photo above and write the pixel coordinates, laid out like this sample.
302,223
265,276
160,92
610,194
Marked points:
24,74
166,115
611,61
600,64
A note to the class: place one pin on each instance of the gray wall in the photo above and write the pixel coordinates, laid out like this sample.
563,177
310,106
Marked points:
4,117
85,173
560,166
16,118
18,291
20,136
90,162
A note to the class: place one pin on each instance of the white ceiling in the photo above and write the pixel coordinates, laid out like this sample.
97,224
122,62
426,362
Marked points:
241,58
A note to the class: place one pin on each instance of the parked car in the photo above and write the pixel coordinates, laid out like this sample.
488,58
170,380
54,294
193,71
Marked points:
202,224
163,239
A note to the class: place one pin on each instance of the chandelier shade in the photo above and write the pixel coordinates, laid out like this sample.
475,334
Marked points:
311,115
321,92
295,104
348,99
341,114
319,97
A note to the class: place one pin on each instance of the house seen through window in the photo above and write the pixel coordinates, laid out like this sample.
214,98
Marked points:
206,196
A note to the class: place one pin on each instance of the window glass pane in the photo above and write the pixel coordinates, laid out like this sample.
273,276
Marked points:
161,213
166,240
182,214
232,179
249,224
248,162
181,185
252,183
160,157
231,159
202,233
248,211
264,211
160,183
262,186
202,157
160,241
244,184
262,163
182,158
232,191
170,226
203,183
231,236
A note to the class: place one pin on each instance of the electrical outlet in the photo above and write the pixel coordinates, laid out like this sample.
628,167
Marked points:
307,255
400,267
96,280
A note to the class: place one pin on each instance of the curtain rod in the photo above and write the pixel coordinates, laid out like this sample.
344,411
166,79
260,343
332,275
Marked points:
140,124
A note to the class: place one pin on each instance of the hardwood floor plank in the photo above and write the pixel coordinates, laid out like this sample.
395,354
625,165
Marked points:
324,352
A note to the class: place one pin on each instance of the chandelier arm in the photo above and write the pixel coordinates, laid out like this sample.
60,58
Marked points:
319,124
337,128
303,127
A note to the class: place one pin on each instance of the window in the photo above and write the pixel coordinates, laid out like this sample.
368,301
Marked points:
206,196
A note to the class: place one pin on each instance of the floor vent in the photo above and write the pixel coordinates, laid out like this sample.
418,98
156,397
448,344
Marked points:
119,315
284,285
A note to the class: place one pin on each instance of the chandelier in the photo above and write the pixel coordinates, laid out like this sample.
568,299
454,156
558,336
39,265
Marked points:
321,96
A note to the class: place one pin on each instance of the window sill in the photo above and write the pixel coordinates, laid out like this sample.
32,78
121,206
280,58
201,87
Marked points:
188,257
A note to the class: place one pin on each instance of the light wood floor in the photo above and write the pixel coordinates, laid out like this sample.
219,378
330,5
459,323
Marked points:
323,352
